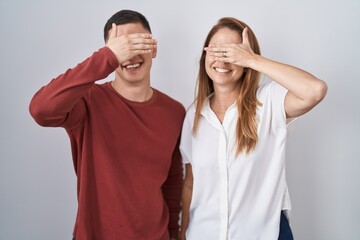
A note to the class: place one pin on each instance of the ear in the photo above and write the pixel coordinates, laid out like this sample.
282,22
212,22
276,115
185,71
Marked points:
154,53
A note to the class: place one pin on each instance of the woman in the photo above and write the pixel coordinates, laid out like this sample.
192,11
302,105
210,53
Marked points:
234,135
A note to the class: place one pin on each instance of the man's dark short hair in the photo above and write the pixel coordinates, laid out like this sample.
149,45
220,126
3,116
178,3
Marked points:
125,17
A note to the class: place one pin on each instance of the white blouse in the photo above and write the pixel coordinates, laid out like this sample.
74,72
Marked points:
237,198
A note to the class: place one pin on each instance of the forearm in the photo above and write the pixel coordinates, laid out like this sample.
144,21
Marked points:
185,216
172,193
186,201
53,102
302,84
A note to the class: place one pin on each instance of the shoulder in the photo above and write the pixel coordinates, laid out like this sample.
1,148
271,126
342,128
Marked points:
272,97
99,90
166,100
169,109
190,112
264,86
269,89
189,117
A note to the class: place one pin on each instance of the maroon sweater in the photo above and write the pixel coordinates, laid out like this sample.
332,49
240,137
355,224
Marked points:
126,156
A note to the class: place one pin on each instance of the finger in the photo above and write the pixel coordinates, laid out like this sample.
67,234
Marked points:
222,59
219,48
245,36
113,31
144,41
141,43
214,49
142,51
140,35
118,31
224,45
217,54
143,46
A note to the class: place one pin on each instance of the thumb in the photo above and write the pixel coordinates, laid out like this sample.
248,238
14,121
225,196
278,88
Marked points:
245,36
112,31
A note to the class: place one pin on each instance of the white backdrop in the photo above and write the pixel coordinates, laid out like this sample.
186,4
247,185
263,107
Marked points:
41,39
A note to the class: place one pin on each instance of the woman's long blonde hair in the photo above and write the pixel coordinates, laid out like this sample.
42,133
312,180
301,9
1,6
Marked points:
247,103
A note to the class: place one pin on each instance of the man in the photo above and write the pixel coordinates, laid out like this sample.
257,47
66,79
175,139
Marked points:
124,137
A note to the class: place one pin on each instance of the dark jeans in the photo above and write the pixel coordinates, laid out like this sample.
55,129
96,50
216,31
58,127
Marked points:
285,230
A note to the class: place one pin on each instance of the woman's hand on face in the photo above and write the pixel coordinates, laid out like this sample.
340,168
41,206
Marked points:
238,54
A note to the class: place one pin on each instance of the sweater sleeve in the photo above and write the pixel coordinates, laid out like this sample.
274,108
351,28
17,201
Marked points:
60,103
172,192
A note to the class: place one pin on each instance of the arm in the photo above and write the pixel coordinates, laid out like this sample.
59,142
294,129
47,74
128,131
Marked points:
59,103
186,200
172,192
304,90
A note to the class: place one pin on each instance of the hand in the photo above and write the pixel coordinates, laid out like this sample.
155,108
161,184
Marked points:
238,54
126,47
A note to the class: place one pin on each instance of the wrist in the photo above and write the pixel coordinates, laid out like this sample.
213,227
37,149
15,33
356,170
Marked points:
254,60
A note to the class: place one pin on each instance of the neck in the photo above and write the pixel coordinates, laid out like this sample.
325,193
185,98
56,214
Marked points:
223,98
136,92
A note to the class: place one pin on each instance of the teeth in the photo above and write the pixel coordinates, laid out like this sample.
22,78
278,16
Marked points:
133,66
222,70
